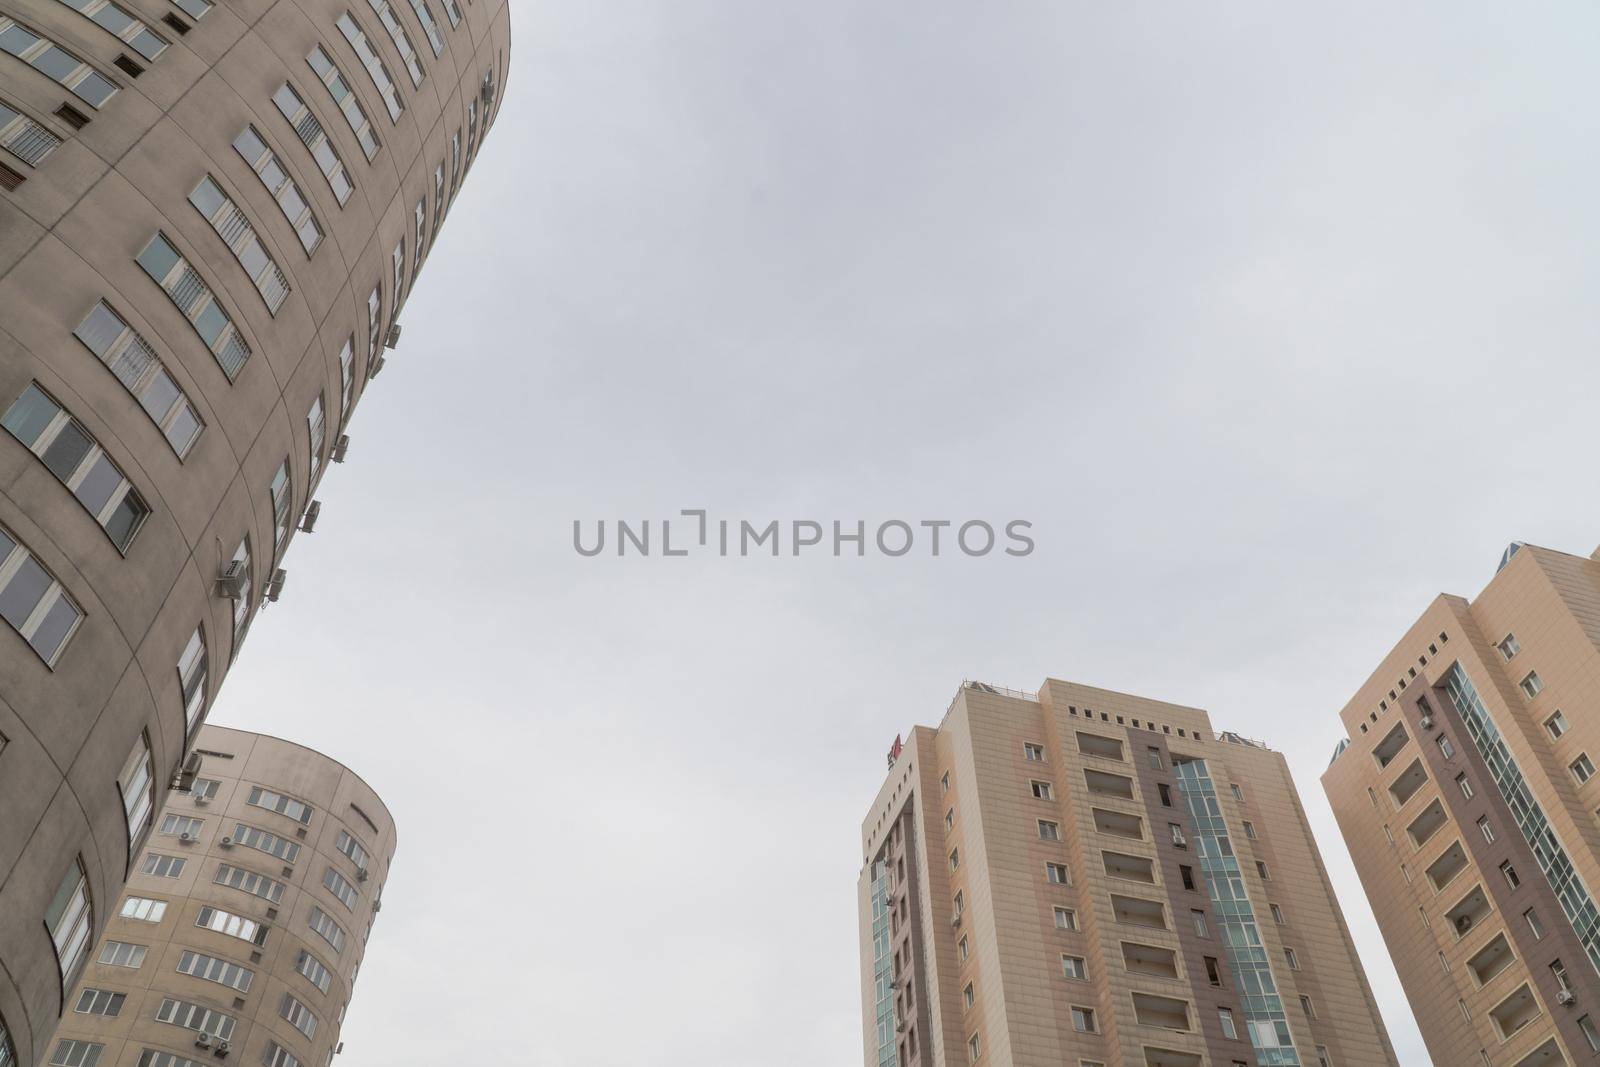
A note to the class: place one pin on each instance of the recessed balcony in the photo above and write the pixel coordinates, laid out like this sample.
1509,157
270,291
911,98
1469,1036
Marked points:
1102,784
1405,787
1427,824
1129,868
1164,1012
1546,1055
1166,1057
1490,961
1468,913
1442,870
1515,1012
1132,911
1391,745
1104,747
1149,959
1118,824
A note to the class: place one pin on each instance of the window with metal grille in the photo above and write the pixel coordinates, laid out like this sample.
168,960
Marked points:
311,133
130,357
23,137
243,241
168,269
296,209
356,37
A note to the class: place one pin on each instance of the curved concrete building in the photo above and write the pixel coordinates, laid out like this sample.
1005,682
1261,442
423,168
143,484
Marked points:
244,924
211,212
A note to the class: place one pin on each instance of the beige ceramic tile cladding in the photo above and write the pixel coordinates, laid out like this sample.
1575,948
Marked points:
1022,1001
1550,603
340,801
69,235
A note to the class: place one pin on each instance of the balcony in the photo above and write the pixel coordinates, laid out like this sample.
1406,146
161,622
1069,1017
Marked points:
1166,1013
1391,745
1444,869
1104,747
1427,824
1118,824
1468,913
1405,787
1131,911
1129,868
1149,959
1546,1055
1102,784
1515,1012
1166,1057
1491,961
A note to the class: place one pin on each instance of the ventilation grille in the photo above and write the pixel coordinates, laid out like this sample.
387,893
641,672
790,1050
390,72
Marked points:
9,179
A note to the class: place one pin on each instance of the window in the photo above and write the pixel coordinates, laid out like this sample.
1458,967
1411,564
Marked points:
34,603
316,428
967,998
240,236
333,933
1187,875
1225,1017
455,165
1250,830
312,134
249,882
1485,829
1066,919
1083,1020
278,1056
241,606
299,1016
126,27
1277,915
1073,967
1509,647
347,844
1261,869
1591,1037
419,237
453,11
1237,794
296,209
313,969
136,783
151,1058
1197,919
225,922
1535,927
282,494
72,454
195,1017
76,1054
129,356
212,969
1291,959
1041,790
194,299
1510,874
381,81
1213,971
205,787
950,819
1582,768
1556,725
334,883
192,667
374,334
397,34
100,1002
1154,755
298,810
955,858
1049,831
271,844
1307,1007
1176,833
1446,749
346,377
972,1049
25,139
175,825
70,920
961,950
1562,978
1032,752
1465,785
1532,685
1323,1057
1165,794
160,865
1057,873
345,98
121,954
143,909
944,783
56,63
430,26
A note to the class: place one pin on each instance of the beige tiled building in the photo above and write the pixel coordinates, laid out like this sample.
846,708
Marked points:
1082,878
211,216
1466,792
244,923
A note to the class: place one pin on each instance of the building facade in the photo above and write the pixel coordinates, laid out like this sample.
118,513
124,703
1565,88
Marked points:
1085,878
1465,789
243,927
211,212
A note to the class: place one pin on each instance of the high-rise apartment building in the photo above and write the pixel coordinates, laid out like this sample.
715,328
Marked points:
1467,793
244,924
1081,878
211,212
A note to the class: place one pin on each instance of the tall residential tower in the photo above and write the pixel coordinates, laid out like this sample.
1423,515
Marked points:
1466,789
211,213
1084,878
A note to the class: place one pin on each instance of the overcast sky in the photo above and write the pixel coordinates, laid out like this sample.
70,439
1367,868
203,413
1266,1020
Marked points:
1274,326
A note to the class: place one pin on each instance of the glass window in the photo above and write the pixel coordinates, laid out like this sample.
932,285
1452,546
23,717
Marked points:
137,786
70,920
192,677
282,503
